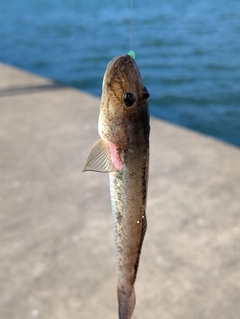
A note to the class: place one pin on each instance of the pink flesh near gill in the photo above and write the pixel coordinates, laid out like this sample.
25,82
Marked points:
115,158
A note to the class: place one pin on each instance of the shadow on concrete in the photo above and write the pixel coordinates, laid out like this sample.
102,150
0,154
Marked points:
31,89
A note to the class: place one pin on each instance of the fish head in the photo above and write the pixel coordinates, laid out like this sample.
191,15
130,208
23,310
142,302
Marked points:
124,107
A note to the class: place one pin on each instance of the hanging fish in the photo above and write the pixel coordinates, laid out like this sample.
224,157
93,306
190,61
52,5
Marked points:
123,152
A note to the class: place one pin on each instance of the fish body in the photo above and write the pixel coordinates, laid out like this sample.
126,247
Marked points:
123,151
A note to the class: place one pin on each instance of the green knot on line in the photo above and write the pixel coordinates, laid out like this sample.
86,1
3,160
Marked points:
132,54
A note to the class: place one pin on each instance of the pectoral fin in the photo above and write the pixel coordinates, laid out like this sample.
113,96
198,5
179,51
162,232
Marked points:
102,158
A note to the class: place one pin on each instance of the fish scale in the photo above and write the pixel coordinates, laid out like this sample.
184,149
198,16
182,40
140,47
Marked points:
123,152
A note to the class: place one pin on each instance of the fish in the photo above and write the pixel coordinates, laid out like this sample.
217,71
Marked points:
123,152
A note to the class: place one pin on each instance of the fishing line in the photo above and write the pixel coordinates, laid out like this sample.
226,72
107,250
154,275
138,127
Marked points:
132,29
131,52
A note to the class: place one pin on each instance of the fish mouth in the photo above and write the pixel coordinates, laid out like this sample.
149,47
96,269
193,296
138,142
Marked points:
119,61
120,66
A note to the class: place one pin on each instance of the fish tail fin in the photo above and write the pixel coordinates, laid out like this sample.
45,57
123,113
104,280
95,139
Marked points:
126,302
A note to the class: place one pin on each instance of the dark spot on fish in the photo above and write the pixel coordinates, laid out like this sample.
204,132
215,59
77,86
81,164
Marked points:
129,99
145,93
119,217
120,249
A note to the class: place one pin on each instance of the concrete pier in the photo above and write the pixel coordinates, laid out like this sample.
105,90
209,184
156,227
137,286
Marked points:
56,241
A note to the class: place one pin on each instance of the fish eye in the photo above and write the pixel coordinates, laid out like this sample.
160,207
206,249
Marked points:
129,99
145,93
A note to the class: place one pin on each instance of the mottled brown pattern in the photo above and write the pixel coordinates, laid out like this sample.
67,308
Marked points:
124,127
128,128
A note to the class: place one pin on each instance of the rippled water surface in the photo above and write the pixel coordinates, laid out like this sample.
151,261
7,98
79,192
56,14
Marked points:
188,52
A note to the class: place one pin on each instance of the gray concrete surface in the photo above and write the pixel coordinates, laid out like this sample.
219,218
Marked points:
57,256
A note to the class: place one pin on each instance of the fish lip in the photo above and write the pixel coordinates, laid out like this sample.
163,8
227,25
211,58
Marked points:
118,59
118,63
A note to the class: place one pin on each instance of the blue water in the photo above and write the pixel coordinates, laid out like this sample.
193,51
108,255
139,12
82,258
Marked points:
188,52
